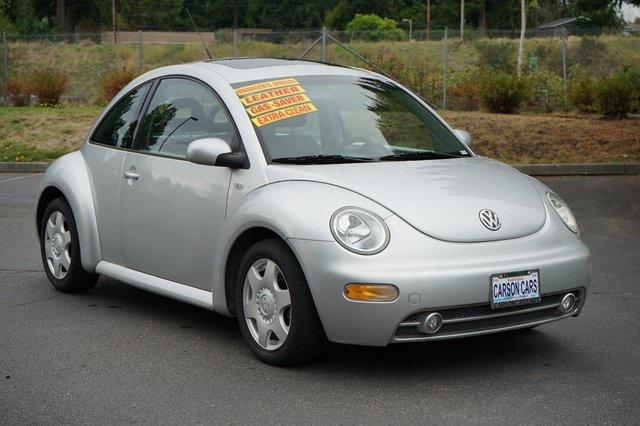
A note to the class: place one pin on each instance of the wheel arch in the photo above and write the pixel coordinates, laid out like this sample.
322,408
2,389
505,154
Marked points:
286,210
47,195
242,243
68,178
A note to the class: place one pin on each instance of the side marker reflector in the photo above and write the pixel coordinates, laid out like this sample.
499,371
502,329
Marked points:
371,292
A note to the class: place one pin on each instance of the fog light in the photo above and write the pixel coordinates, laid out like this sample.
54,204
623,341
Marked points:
432,323
568,302
371,292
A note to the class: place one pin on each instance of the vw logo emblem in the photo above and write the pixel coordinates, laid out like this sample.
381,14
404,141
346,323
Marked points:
489,219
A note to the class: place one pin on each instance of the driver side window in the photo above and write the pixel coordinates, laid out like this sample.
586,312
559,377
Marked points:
180,112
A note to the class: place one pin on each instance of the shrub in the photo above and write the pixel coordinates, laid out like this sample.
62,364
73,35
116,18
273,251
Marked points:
546,92
615,96
425,80
496,55
376,28
501,92
464,92
19,91
113,82
590,51
633,74
547,53
48,85
582,94
422,78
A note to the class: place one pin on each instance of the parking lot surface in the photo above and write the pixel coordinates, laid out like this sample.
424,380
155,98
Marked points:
119,354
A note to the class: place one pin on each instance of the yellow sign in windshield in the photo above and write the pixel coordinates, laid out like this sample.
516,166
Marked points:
270,101
283,114
277,103
241,91
271,94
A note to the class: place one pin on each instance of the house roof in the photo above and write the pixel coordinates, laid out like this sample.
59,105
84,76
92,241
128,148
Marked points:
634,28
560,22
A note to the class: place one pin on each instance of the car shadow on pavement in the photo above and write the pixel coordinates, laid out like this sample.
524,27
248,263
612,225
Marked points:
142,304
495,352
492,352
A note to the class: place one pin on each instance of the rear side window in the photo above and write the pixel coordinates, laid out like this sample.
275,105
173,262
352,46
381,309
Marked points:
117,127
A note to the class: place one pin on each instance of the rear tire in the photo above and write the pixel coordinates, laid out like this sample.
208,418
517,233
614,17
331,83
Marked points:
275,310
60,249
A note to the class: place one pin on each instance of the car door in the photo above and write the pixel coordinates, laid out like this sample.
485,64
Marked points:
104,156
171,210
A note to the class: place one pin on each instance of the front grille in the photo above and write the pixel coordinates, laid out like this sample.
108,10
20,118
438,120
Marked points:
478,318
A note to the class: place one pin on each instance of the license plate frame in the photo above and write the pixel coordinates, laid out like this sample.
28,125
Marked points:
511,277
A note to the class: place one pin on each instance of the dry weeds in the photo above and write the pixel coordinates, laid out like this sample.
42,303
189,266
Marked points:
547,138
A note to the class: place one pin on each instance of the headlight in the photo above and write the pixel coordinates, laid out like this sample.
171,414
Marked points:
563,211
359,230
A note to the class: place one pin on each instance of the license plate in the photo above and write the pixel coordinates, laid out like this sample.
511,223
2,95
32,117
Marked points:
515,288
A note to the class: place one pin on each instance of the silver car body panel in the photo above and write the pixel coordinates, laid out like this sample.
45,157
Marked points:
438,249
105,176
440,198
173,210
70,176
442,274
157,285
291,209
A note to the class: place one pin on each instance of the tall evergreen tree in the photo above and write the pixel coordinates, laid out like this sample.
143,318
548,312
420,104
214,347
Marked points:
88,15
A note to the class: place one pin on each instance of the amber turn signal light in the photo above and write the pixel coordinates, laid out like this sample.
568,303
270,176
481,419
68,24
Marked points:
371,292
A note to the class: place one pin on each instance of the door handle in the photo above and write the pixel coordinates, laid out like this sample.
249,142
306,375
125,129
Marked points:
131,175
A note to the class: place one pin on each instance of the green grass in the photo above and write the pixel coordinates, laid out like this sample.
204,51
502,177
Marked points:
17,152
43,133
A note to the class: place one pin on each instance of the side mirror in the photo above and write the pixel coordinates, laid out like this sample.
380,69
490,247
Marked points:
213,152
465,136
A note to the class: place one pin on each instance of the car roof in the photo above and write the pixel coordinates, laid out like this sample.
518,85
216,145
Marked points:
236,70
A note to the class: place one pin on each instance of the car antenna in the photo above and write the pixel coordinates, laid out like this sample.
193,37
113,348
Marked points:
195,27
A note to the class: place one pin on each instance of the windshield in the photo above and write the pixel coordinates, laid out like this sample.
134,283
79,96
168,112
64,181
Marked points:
333,119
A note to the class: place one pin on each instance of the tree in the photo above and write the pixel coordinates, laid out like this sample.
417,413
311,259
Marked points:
377,27
152,14
287,14
5,20
61,11
524,4
461,19
343,11
601,13
93,15
523,30
482,18
28,19
428,18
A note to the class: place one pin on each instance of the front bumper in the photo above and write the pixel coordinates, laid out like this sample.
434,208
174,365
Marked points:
434,275
474,320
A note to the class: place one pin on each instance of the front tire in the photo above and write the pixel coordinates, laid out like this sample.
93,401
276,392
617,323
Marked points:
60,249
275,310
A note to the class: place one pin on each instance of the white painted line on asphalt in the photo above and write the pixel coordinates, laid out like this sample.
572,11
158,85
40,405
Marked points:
20,177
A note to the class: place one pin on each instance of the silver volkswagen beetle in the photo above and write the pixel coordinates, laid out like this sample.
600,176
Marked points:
313,202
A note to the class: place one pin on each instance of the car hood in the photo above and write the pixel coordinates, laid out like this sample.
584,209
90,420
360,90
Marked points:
440,198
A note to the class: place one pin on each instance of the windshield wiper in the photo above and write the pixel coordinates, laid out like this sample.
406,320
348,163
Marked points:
321,159
421,155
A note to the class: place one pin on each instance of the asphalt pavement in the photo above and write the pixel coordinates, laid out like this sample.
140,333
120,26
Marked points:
121,355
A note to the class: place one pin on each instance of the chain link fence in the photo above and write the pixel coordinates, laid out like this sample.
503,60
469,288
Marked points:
441,65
